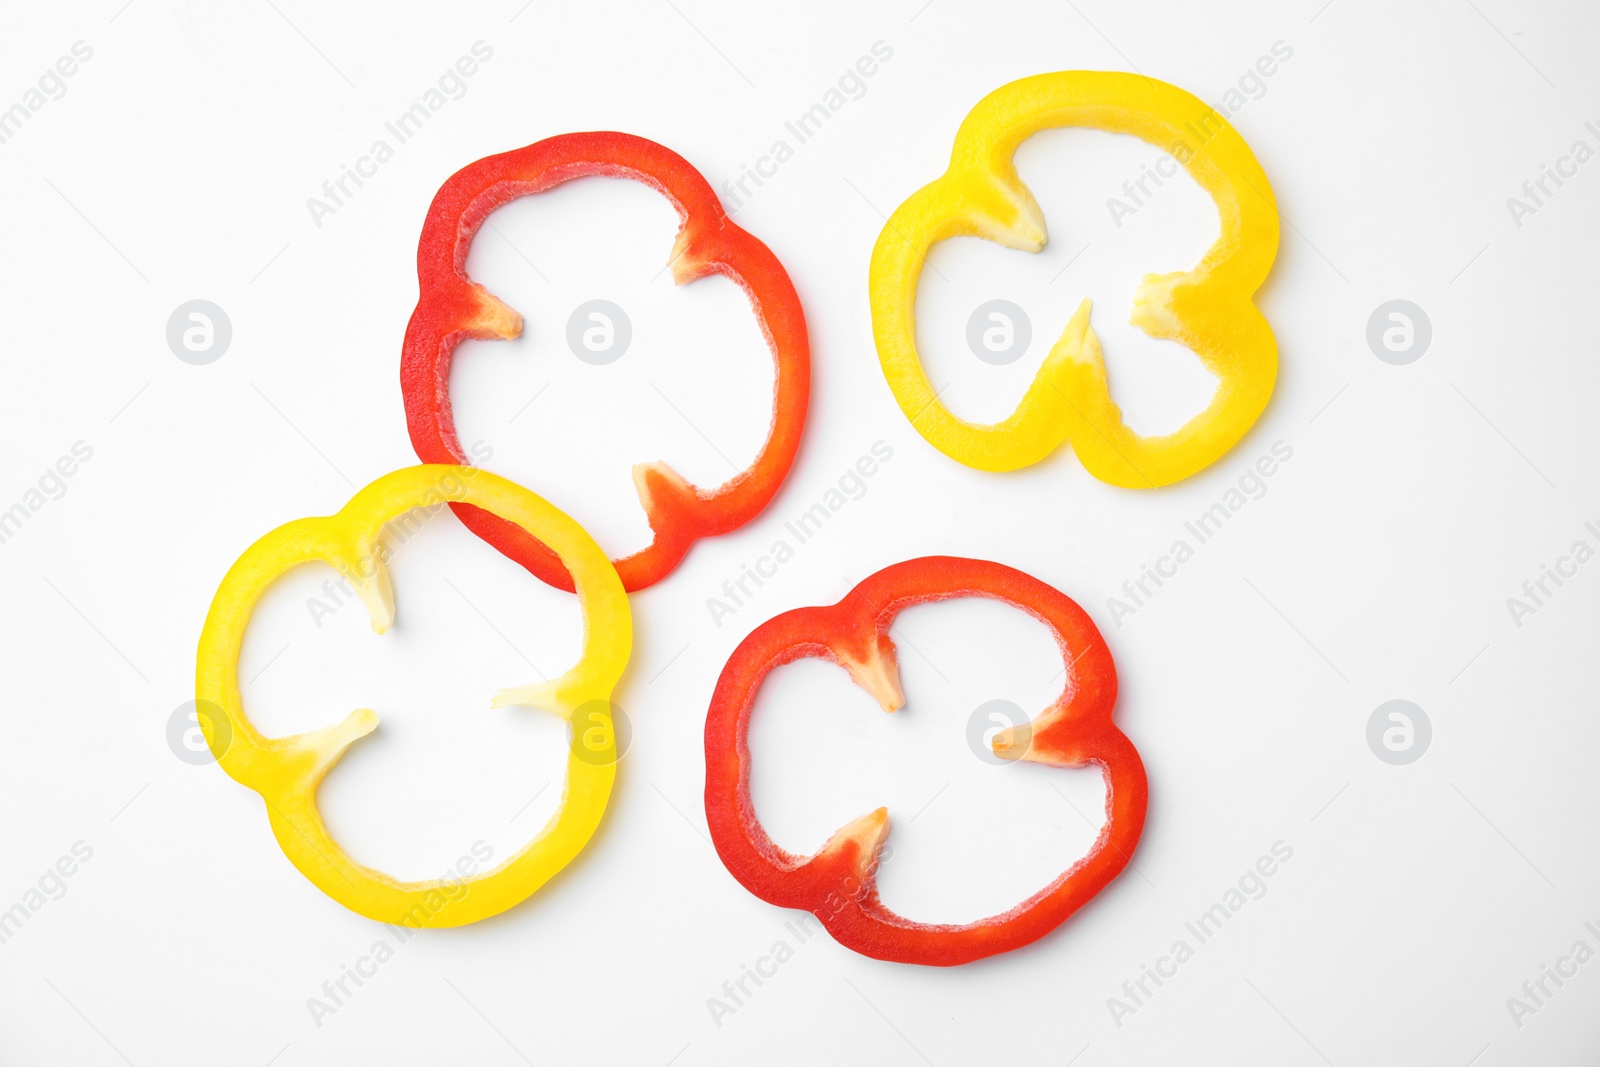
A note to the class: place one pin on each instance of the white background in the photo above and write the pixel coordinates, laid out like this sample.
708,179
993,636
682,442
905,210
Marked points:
1377,565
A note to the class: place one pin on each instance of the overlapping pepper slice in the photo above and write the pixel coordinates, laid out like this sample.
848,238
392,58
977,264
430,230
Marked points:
837,884
452,307
286,770
1209,310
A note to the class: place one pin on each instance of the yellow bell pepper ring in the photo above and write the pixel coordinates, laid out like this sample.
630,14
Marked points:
1209,310
287,770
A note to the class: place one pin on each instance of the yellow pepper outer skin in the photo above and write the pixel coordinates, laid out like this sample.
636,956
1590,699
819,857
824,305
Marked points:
1209,310
287,770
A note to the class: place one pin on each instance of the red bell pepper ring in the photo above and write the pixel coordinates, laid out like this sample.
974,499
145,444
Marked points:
452,307
837,884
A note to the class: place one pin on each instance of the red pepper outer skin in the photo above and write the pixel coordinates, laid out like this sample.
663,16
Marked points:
452,307
837,884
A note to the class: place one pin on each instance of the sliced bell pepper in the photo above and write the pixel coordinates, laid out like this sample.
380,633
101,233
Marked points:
286,770
837,884
1209,310
452,307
